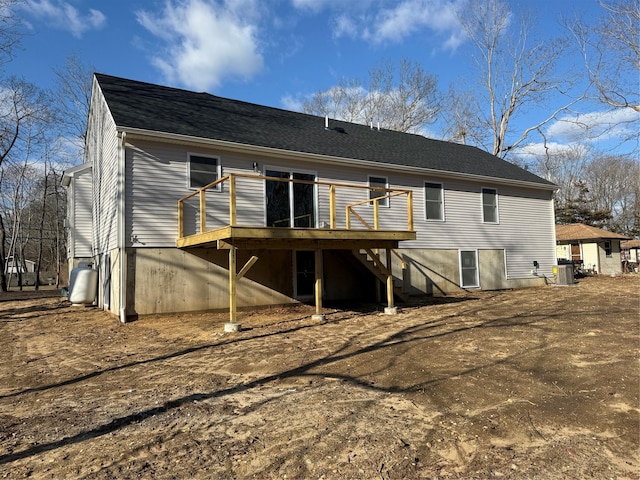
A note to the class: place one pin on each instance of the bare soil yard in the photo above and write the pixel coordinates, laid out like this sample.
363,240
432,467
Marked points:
535,383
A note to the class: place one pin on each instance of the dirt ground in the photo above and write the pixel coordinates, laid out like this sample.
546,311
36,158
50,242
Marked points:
535,383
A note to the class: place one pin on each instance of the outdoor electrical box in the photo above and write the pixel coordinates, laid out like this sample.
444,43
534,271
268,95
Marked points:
565,275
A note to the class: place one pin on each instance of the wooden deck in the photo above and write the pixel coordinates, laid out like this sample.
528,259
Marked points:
362,235
367,236
273,238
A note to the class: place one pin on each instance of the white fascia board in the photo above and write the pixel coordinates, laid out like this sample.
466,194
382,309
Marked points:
69,173
280,153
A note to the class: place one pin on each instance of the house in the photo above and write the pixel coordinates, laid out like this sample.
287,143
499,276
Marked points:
27,266
187,201
630,254
597,250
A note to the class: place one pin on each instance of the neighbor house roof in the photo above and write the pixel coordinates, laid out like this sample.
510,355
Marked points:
630,244
580,231
153,108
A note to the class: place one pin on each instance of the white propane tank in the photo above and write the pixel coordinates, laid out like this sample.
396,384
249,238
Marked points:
83,285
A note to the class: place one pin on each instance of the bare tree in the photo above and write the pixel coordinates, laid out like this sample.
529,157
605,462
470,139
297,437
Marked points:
614,182
596,188
406,100
25,114
514,73
73,94
9,29
461,125
611,51
566,168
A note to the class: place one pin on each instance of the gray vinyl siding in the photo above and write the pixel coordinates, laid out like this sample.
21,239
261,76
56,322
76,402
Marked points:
157,177
102,153
82,219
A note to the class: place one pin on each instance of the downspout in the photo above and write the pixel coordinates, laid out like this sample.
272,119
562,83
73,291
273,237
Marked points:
121,227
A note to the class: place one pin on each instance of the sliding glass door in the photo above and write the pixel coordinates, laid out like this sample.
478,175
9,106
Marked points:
290,204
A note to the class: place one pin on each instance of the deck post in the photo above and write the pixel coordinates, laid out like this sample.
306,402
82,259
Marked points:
203,211
232,200
390,309
376,209
332,206
232,325
318,290
410,210
180,219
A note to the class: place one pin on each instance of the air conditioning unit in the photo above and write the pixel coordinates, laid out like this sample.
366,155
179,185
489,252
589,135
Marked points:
565,275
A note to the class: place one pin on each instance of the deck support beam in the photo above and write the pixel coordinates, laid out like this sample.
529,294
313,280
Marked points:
318,286
232,325
390,309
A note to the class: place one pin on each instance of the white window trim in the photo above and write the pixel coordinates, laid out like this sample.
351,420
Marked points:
442,209
381,203
477,282
482,189
217,188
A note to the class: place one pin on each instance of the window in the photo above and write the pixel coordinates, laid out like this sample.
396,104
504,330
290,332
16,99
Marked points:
203,171
434,204
607,248
469,269
489,205
381,182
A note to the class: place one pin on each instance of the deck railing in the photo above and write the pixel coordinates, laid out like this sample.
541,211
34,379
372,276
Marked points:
350,209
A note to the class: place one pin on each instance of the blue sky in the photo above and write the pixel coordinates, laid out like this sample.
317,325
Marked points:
271,52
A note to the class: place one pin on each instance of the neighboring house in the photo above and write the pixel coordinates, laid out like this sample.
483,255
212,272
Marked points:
630,254
300,206
11,266
597,250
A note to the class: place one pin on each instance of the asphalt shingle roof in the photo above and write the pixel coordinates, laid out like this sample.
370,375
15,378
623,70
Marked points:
580,231
157,108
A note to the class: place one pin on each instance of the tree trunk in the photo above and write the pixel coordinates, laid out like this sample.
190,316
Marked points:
41,230
3,258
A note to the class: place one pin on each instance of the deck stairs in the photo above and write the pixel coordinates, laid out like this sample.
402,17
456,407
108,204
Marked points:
372,261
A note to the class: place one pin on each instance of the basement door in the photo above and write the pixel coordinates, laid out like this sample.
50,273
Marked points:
290,204
304,266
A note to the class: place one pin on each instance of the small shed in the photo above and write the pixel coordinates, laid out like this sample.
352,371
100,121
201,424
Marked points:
597,250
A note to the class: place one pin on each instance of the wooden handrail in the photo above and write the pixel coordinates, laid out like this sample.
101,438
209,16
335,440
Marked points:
349,210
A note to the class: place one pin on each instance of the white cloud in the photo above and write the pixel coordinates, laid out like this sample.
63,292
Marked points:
409,16
312,5
292,103
206,41
377,23
344,26
531,150
596,126
65,16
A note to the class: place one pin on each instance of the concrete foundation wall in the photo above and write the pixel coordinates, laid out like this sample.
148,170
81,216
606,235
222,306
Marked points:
163,280
166,280
436,272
